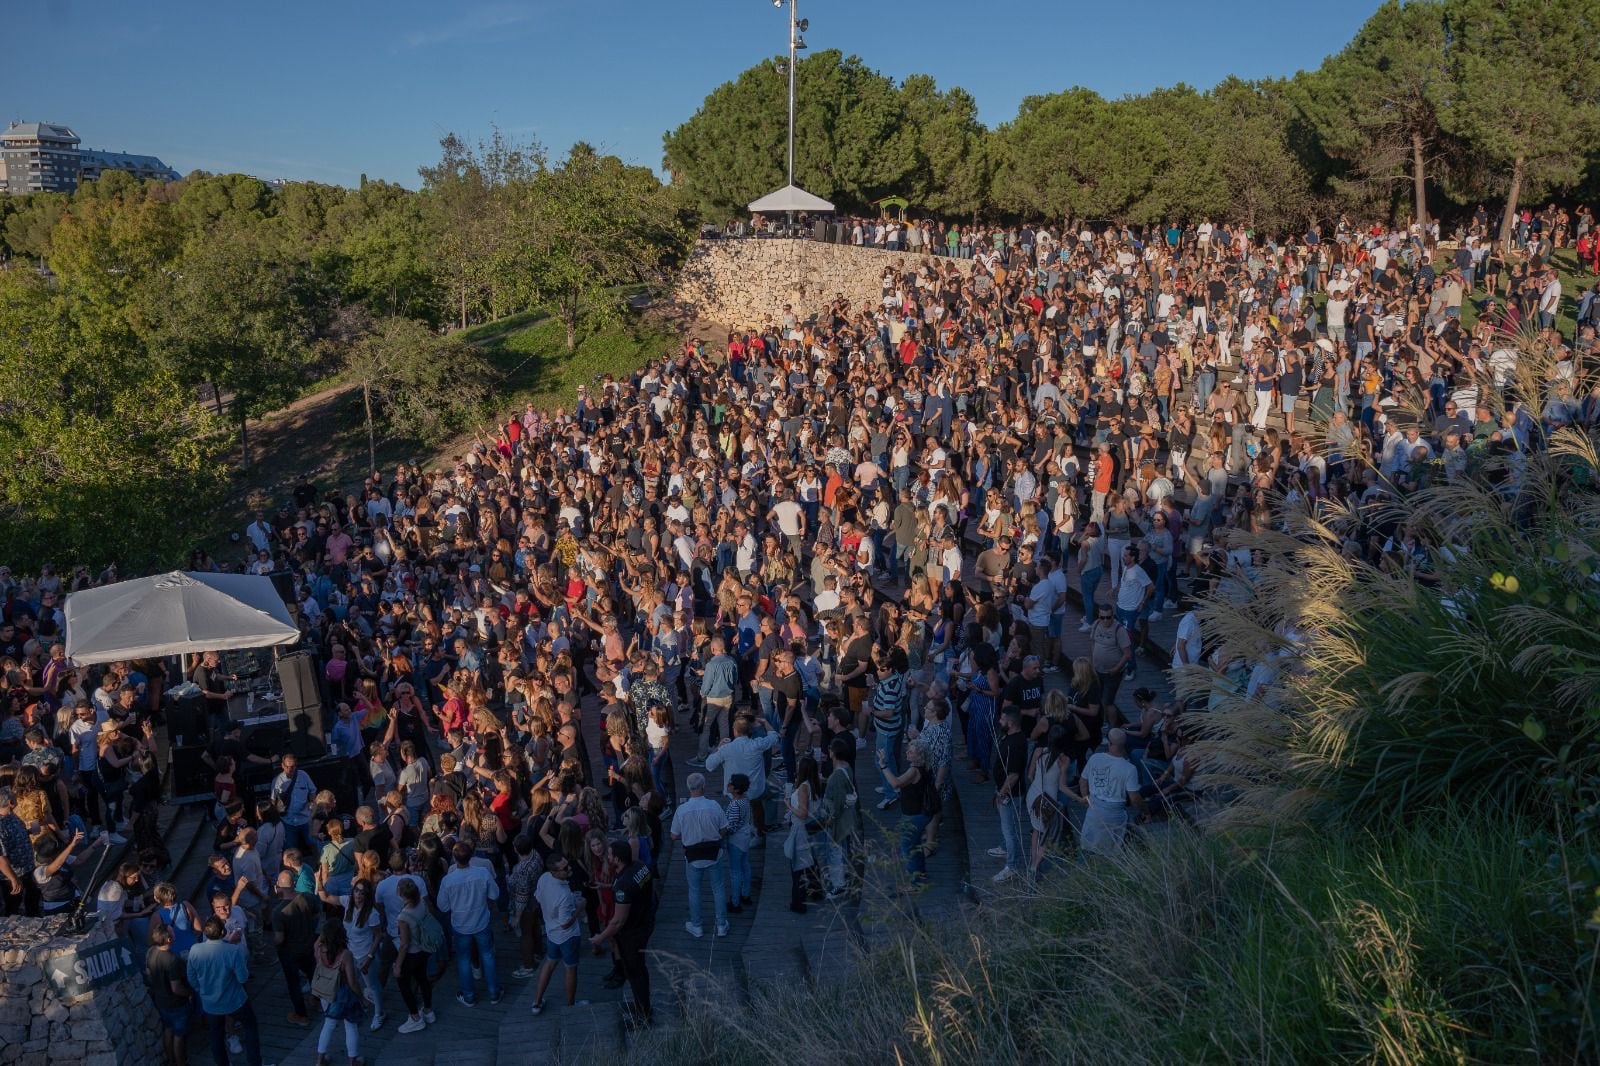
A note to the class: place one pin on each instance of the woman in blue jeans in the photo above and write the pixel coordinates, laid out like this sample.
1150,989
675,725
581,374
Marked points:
918,798
1091,565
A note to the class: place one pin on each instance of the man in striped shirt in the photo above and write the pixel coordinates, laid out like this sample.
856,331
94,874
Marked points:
889,719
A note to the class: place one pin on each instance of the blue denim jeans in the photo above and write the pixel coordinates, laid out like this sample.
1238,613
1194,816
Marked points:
717,874
1088,582
463,947
1010,812
911,830
738,873
889,748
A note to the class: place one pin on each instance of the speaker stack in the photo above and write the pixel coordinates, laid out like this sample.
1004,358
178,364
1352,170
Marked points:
302,694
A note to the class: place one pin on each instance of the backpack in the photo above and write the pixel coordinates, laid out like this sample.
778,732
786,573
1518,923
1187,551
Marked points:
430,934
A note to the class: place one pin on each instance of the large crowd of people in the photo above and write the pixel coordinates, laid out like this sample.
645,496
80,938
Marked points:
846,555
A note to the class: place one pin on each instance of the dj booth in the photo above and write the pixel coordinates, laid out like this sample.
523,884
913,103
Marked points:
277,705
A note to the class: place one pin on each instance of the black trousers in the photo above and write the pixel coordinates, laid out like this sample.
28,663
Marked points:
630,950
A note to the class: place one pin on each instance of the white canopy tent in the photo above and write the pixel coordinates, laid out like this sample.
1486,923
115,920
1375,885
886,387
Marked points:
789,198
171,614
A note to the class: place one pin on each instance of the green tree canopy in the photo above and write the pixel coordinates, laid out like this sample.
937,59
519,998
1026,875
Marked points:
1376,105
1528,96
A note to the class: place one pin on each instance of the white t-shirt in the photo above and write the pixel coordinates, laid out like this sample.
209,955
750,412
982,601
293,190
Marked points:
359,934
1130,593
388,896
1188,639
1043,595
111,900
788,514
1111,778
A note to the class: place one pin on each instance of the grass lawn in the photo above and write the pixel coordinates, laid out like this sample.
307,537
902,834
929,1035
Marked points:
529,351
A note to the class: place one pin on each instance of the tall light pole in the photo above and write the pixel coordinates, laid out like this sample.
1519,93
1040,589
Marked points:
797,26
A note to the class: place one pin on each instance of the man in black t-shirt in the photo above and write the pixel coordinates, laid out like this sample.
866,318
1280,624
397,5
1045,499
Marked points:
630,926
1025,692
1010,763
167,977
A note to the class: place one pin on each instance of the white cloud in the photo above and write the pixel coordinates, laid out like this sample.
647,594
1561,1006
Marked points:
475,21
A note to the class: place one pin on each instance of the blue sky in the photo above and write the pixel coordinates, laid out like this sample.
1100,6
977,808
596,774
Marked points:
326,91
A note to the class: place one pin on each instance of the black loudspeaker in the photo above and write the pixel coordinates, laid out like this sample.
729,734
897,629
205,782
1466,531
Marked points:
186,720
302,694
190,776
271,739
283,585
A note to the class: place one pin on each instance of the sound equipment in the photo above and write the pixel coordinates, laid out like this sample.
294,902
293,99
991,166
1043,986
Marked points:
283,585
271,737
821,231
186,719
302,693
191,778
839,236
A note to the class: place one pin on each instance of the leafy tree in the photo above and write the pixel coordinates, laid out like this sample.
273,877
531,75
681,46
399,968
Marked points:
104,456
33,222
953,165
1268,186
591,224
471,195
1528,89
206,200
112,255
417,384
387,256
1073,154
238,318
853,143
1376,105
1187,179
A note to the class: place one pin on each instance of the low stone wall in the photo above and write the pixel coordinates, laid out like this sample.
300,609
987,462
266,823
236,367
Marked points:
110,1022
745,283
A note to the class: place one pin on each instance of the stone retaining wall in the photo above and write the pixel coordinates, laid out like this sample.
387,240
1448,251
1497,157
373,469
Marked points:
745,283
114,1025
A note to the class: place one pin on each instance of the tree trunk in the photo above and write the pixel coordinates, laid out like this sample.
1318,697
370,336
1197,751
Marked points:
372,443
1419,180
572,331
1508,220
216,397
244,441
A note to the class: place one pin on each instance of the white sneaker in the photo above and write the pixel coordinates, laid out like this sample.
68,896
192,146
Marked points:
1006,874
429,1017
235,1047
413,1025
1084,626
1170,605
1155,616
377,1021
997,853
694,930
722,930
861,743
887,802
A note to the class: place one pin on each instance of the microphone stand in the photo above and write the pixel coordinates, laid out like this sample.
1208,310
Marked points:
77,924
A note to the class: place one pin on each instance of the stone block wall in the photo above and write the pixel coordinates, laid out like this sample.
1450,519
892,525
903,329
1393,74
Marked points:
115,1025
743,284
